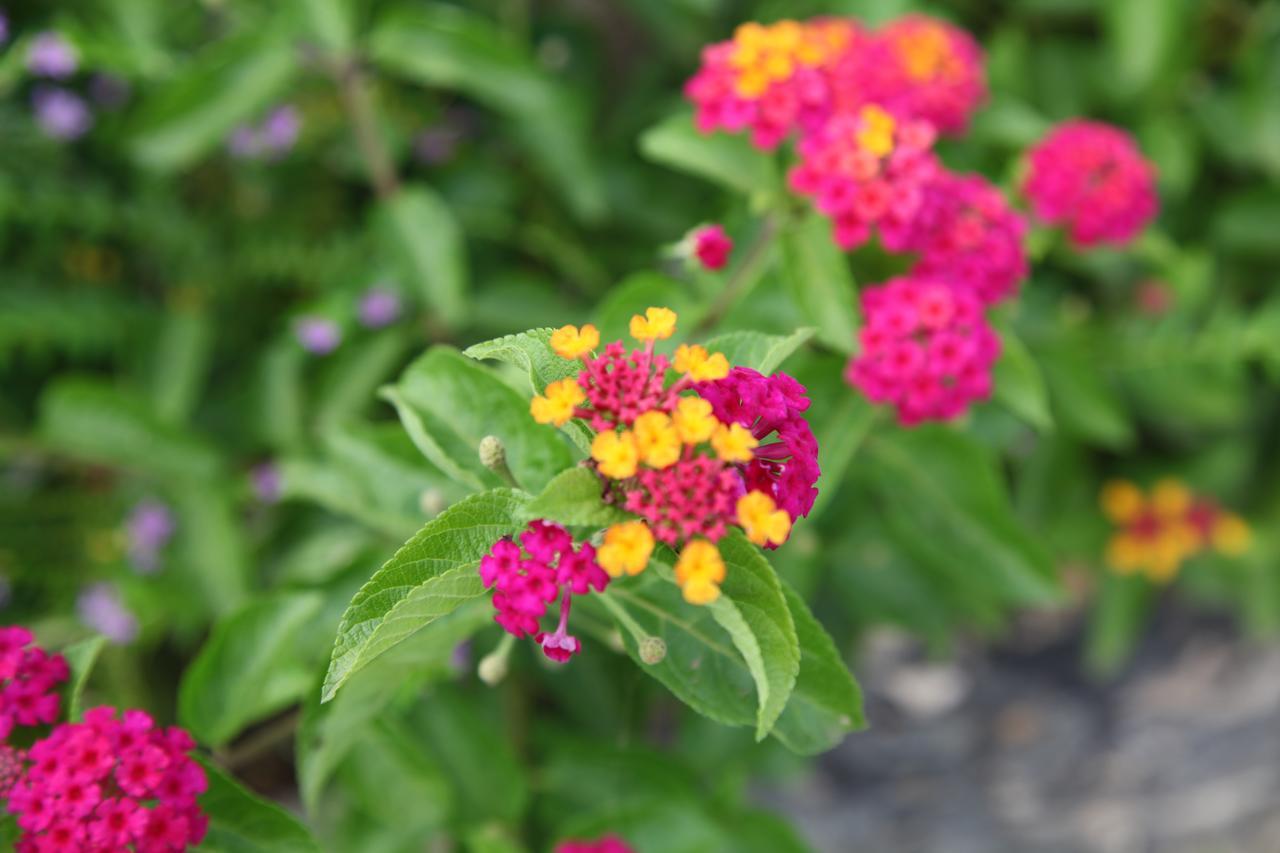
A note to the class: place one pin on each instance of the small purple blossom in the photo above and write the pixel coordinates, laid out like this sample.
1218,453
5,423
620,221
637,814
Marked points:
148,529
272,138
266,482
379,306
318,335
99,606
61,114
51,55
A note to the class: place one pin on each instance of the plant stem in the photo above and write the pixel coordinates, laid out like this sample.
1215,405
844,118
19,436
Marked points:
354,89
744,276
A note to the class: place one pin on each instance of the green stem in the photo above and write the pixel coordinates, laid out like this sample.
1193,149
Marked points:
744,276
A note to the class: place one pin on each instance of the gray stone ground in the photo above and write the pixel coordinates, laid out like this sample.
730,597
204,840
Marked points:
1016,751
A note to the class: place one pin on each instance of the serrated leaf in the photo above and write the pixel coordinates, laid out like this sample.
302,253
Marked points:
531,351
729,160
765,353
1019,387
248,668
430,576
458,49
818,277
242,822
574,498
81,658
448,403
420,232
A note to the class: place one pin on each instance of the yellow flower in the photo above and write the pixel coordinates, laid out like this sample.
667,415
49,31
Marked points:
657,440
693,420
876,133
733,443
656,324
1126,553
699,364
616,454
699,571
1121,501
1231,534
763,522
572,342
1170,498
557,406
626,548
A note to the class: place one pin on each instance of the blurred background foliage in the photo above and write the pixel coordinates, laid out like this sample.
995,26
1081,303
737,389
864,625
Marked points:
505,164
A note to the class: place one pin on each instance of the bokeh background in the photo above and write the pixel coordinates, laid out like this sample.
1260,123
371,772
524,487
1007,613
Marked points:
226,224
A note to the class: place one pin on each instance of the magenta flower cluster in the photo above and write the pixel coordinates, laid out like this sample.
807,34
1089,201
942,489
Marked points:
606,844
786,468
528,576
926,348
110,784
29,677
1091,178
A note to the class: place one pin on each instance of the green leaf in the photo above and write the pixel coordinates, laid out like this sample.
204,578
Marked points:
429,577
353,375
818,278
827,702
727,159
1116,623
1019,386
951,489
80,659
419,231
242,822
330,22
752,609
248,669
840,434
96,421
643,290
181,363
341,492
449,403
395,778
1142,35
765,353
530,351
229,83
1083,401
574,498
211,545
456,49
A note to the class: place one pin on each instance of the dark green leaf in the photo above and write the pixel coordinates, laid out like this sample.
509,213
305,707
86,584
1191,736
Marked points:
573,498
419,231
729,160
765,353
1019,385
80,659
638,292
817,275
242,822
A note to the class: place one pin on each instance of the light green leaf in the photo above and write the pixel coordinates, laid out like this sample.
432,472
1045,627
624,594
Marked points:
330,22
1084,403
727,159
765,353
229,83
429,577
1019,387
248,669
530,351
449,403
181,363
818,278
574,498
457,49
1142,36
419,231
80,659
242,822
1116,623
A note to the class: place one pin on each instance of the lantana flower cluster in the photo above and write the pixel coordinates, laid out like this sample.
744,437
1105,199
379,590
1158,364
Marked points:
690,458
529,575
1157,532
110,783
29,677
606,844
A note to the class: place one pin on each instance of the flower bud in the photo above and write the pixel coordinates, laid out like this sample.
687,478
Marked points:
493,667
653,650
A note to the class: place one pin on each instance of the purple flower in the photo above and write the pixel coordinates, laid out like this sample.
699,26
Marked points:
149,528
318,335
51,55
379,306
61,114
4,28
99,606
266,481
280,129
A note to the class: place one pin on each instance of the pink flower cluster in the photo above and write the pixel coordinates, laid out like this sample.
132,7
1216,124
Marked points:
28,676
622,385
786,469
528,576
607,844
693,497
711,246
926,348
1091,178
110,784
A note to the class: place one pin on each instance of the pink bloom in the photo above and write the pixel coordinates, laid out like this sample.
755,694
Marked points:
694,497
28,681
786,469
607,844
621,386
1091,178
926,348
528,576
966,232
711,246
